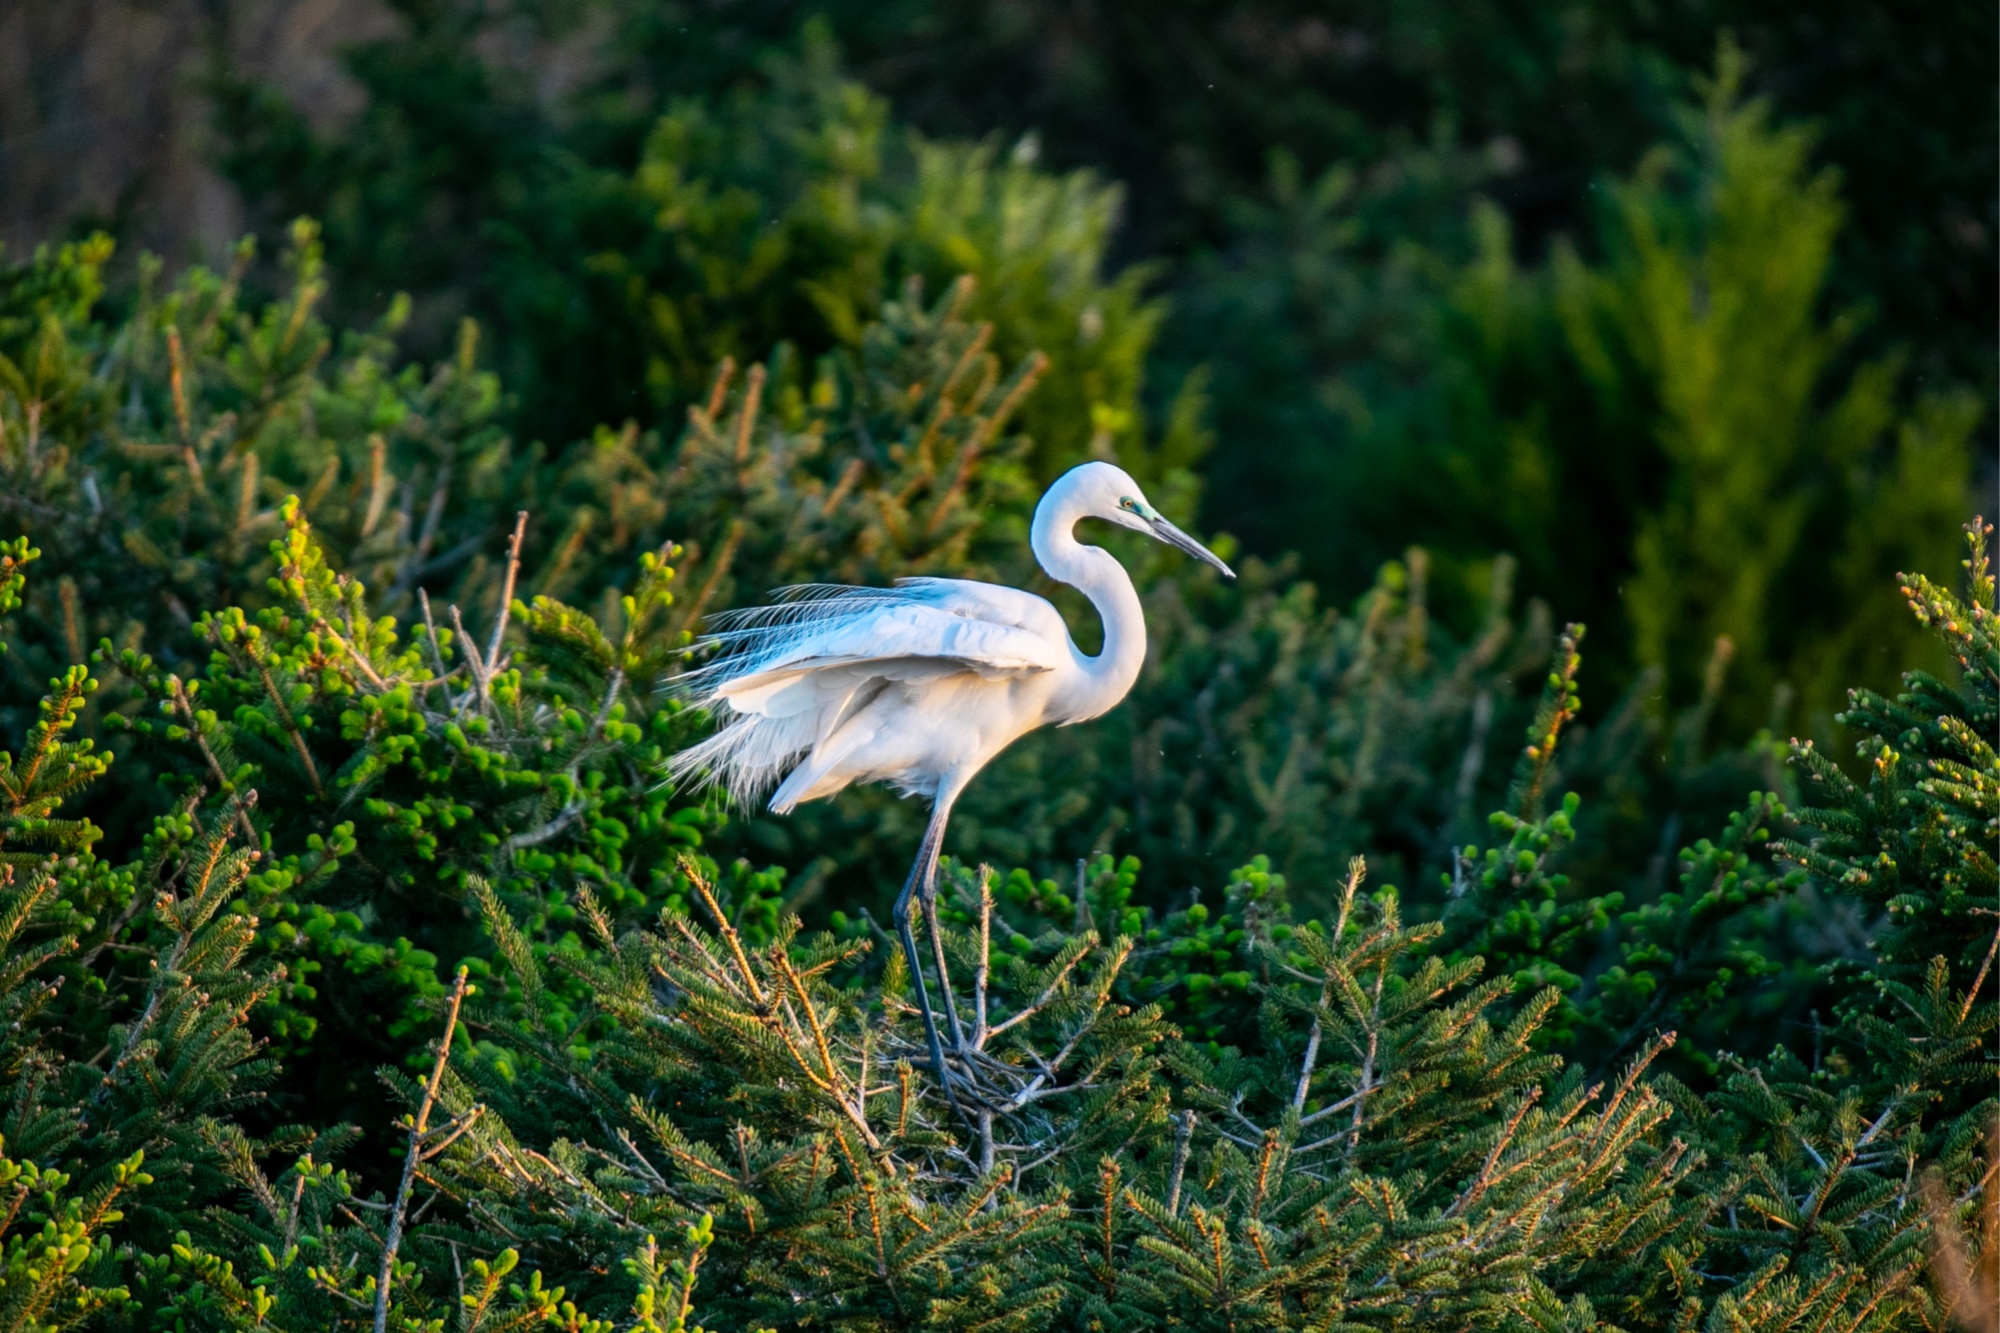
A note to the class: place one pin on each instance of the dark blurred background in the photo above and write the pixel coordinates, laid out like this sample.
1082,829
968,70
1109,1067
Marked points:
108,115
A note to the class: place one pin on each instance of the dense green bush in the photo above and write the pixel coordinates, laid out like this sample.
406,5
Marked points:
1184,99
1390,1144
323,733
1262,723
1461,413
474,109
1302,993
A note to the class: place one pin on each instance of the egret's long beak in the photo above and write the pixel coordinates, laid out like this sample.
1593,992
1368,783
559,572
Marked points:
1173,536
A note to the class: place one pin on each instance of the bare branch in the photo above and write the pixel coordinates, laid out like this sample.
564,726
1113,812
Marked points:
1979,982
1311,1056
984,972
185,707
507,592
473,661
386,1274
535,837
1048,993
1183,1136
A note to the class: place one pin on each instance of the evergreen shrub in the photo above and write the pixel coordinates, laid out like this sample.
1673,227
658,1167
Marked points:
359,971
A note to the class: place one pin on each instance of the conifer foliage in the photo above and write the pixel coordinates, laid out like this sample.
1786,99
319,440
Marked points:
359,971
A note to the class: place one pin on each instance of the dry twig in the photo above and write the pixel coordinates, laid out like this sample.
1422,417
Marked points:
420,1150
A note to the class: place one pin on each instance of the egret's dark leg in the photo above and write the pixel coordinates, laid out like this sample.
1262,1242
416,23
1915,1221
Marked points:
926,856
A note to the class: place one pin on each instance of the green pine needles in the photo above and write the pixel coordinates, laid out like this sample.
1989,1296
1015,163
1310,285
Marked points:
381,983
1390,1138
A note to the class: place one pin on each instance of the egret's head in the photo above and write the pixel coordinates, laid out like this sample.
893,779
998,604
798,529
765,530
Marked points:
1107,491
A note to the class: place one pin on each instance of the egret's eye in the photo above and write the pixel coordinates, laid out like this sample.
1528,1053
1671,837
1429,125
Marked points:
1127,502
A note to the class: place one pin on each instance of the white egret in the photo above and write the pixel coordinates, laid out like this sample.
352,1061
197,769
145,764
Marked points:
920,685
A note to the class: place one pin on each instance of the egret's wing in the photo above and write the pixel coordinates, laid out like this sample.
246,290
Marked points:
795,673
972,626
907,643
993,602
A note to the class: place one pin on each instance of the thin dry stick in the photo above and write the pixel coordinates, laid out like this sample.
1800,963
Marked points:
1048,993
470,651
1312,1050
413,566
862,1066
430,625
1327,1112
288,723
507,592
540,834
459,990
325,626
1474,759
980,977
1809,1214
1367,1062
242,804
1183,1135
936,934
1979,982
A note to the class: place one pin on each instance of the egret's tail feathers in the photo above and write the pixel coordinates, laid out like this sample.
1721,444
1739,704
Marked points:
819,773
793,790
746,757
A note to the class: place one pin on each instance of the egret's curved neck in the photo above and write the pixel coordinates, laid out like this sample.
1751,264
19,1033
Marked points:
1096,573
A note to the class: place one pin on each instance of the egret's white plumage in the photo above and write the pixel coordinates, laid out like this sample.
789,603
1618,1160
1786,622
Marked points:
920,685
811,681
